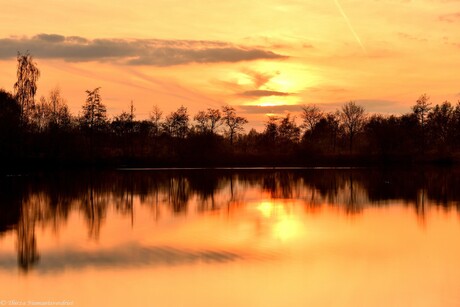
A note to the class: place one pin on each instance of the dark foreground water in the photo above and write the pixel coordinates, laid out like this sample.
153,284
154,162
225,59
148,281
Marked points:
256,237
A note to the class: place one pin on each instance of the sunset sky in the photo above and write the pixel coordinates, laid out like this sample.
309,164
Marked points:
260,56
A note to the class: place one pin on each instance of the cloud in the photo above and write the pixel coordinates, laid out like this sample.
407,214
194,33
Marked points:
51,38
260,78
153,52
327,89
263,93
370,105
399,1
410,37
270,109
450,18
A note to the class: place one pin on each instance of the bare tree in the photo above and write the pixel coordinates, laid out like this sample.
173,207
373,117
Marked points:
440,122
271,129
155,118
25,87
208,121
311,115
233,122
51,113
177,123
288,129
352,117
421,109
214,117
41,115
202,121
60,115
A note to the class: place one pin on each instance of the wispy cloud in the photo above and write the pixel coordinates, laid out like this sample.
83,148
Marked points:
270,109
153,52
258,78
370,105
263,93
450,18
411,37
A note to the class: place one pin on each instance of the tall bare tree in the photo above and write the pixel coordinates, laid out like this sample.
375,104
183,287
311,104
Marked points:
353,118
233,122
202,122
177,123
155,118
208,121
213,116
311,115
421,109
25,87
60,114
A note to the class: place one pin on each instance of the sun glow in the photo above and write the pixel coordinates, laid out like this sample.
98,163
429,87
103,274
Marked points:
265,208
284,225
271,104
287,228
273,101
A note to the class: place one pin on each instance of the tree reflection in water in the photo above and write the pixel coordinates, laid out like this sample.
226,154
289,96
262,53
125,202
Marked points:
48,200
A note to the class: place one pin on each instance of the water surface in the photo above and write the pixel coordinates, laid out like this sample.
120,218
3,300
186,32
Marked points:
306,237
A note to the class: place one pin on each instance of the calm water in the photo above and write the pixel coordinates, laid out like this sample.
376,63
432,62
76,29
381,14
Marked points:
232,238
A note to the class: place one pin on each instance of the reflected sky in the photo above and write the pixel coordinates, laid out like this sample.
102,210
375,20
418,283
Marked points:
233,237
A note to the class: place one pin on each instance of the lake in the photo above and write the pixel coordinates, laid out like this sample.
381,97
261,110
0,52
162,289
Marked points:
231,237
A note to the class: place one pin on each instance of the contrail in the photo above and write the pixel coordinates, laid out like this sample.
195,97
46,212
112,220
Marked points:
349,25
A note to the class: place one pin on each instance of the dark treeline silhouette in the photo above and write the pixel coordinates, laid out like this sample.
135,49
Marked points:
44,133
47,200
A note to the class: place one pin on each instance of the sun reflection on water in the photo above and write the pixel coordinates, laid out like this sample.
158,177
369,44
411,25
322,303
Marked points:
284,224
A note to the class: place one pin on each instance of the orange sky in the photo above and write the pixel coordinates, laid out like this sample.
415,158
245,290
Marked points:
271,53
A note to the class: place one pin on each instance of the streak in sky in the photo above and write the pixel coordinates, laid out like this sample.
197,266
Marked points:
349,25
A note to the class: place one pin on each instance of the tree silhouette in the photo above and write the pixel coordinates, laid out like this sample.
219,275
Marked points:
155,118
202,122
177,123
25,87
233,122
94,112
10,119
271,130
421,110
440,124
213,116
352,117
51,113
41,115
94,117
209,121
45,132
311,115
288,131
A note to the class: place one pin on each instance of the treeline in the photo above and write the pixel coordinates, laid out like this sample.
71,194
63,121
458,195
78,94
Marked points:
44,132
